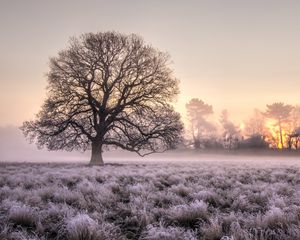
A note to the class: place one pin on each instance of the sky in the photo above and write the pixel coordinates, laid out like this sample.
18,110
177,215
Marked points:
234,54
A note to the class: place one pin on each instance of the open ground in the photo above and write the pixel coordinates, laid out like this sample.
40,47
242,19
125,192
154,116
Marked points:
201,198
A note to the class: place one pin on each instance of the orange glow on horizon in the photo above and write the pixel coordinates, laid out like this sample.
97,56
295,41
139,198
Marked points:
273,134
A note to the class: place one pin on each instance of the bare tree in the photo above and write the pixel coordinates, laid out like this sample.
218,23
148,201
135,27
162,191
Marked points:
295,117
294,139
255,126
231,133
281,113
198,111
108,89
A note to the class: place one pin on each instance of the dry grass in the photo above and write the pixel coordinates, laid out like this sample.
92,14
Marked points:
150,201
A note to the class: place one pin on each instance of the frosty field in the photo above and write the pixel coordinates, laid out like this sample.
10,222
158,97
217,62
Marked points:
198,199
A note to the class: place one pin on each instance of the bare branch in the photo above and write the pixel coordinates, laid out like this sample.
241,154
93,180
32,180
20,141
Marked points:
108,89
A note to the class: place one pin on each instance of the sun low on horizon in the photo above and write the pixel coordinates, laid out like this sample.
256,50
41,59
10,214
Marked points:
233,55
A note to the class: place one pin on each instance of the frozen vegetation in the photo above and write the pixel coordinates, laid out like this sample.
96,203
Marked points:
155,200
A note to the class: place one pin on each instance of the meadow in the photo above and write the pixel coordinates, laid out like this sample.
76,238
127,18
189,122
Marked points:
151,200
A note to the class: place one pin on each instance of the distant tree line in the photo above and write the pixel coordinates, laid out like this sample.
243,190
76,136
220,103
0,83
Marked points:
276,127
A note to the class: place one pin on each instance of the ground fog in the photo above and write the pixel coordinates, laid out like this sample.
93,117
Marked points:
204,199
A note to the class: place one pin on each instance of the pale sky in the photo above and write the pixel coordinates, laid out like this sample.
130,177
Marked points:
237,55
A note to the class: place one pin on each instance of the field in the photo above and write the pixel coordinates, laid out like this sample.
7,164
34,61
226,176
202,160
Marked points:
205,199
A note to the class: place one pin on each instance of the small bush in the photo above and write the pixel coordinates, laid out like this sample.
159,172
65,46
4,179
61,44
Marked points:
189,215
167,233
81,227
275,219
23,216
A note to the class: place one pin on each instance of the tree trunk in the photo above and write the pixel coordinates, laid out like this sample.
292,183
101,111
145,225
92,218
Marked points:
280,134
96,158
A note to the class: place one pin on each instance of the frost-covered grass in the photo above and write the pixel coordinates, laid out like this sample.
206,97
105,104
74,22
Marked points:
192,200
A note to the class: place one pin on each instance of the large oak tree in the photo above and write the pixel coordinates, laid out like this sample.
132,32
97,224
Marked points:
108,89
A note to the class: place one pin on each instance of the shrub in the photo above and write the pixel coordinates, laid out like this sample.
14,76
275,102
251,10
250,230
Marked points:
23,216
81,227
189,215
167,233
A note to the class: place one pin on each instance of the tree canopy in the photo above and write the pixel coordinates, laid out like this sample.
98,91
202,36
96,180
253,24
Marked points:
197,112
280,112
108,89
